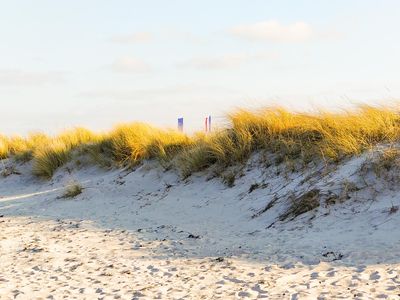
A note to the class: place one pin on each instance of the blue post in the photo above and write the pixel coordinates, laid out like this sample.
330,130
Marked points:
209,123
180,124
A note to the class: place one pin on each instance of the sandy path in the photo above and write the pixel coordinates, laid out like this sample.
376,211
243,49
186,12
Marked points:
74,260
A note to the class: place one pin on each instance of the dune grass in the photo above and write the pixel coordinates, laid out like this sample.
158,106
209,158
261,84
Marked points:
21,148
72,190
288,135
56,151
4,151
134,142
295,136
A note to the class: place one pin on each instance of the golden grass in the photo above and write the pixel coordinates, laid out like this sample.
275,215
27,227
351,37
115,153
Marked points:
134,142
325,135
57,151
289,135
47,159
21,148
4,150
294,136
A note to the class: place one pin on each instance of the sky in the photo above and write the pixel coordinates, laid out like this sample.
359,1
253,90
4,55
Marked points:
95,63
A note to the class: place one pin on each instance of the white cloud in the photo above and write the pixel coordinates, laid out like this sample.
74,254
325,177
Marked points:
130,64
134,38
227,61
274,31
15,77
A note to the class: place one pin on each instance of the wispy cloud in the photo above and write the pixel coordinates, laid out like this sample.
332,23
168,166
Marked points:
16,77
227,61
130,64
274,31
134,38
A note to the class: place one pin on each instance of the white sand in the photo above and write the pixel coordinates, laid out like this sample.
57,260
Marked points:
130,235
44,259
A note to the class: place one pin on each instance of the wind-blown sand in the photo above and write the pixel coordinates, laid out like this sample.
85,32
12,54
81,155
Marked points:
147,234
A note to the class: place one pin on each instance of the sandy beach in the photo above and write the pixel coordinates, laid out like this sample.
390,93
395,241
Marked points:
148,234
74,260
185,150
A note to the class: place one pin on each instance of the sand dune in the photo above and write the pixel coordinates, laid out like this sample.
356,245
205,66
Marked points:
148,234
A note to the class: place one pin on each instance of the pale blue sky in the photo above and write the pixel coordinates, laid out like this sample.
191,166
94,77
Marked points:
96,62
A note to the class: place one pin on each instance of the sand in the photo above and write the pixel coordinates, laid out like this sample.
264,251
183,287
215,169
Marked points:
149,234
74,260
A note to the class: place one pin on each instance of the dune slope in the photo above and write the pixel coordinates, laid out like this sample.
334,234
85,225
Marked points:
263,231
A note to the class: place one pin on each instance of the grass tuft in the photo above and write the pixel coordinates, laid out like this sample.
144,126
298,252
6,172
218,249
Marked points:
301,205
4,147
229,179
49,158
131,143
72,190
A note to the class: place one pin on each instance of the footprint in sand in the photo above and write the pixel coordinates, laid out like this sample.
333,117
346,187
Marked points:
374,276
243,294
331,274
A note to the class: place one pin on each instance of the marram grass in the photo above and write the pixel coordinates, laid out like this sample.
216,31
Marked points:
289,135
134,142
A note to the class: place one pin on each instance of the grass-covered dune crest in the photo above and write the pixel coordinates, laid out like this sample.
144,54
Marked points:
291,136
